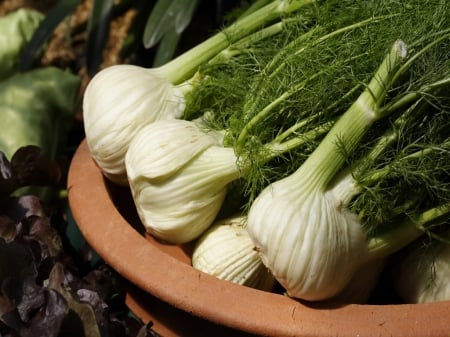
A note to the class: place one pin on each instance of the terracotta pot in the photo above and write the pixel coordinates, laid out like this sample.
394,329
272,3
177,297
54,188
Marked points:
105,215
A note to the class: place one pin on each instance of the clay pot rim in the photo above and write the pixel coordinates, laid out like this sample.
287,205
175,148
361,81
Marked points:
242,308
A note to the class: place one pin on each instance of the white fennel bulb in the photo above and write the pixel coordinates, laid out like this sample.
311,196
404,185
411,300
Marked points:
226,251
421,273
306,235
121,99
118,102
305,238
178,176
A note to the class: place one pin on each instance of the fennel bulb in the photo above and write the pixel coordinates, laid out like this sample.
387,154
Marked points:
121,99
118,102
226,251
421,273
178,176
326,212
305,236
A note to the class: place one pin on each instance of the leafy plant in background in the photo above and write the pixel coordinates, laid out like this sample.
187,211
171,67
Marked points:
164,26
157,26
17,28
43,290
37,105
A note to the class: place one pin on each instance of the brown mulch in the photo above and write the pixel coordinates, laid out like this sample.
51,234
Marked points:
66,48
7,6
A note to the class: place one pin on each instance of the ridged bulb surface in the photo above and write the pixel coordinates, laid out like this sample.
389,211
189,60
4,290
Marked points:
309,242
178,176
117,103
226,251
422,273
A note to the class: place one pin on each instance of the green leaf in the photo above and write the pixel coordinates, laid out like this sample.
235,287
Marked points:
167,15
158,22
37,109
167,47
184,10
98,29
45,30
133,40
254,7
83,310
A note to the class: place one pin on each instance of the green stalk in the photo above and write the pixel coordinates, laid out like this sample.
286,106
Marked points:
315,42
278,62
253,7
231,51
406,232
185,65
384,141
279,145
379,174
328,158
263,113
412,96
288,132
275,148
421,52
246,42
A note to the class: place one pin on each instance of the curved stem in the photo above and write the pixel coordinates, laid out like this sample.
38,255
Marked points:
231,51
328,158
346,184
384,171
412,96
288,132
319,40
279,61
185,65
262,114
276,148
243,44
422,51
406,232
